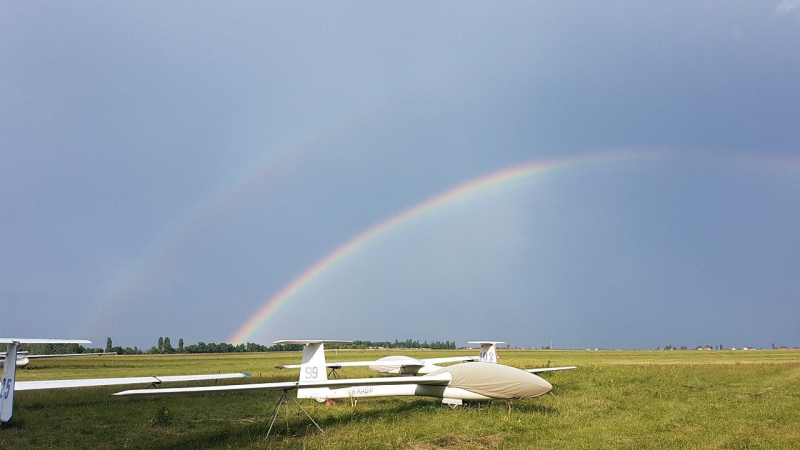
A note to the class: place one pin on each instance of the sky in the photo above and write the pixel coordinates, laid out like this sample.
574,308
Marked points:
581,174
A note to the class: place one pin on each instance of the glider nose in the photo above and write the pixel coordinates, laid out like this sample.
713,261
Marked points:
545,386
537,386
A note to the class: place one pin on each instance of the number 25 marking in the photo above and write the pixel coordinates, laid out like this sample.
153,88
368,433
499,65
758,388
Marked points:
6,389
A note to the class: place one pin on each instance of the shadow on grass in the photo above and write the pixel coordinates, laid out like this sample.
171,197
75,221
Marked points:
294,424
518,406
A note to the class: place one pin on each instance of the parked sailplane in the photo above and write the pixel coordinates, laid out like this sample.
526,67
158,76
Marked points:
473,381
10,385
406,365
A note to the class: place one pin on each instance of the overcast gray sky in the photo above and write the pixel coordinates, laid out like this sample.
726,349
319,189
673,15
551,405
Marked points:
172,169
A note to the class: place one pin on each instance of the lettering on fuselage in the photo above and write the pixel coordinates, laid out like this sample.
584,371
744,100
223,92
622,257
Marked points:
361,390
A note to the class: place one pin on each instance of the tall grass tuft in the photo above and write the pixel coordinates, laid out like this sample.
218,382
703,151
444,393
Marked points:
162,417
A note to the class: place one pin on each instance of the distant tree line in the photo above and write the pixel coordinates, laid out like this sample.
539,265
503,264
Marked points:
62,349
408,343
165,347
56,349
699,347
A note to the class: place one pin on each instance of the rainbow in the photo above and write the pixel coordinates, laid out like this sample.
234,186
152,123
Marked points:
446,199
128,283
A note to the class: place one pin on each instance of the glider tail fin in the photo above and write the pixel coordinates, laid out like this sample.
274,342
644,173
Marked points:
313,368
7,389
488,350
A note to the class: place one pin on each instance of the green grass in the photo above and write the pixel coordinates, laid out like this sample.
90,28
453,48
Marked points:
624,399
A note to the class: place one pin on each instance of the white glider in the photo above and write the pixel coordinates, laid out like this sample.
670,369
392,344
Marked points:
10,385
453,384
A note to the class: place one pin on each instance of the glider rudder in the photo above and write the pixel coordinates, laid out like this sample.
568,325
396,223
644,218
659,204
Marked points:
7,391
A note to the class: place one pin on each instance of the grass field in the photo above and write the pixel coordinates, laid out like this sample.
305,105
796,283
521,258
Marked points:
615,399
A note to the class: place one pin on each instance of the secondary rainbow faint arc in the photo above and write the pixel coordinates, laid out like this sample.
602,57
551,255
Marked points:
132,278
449,197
